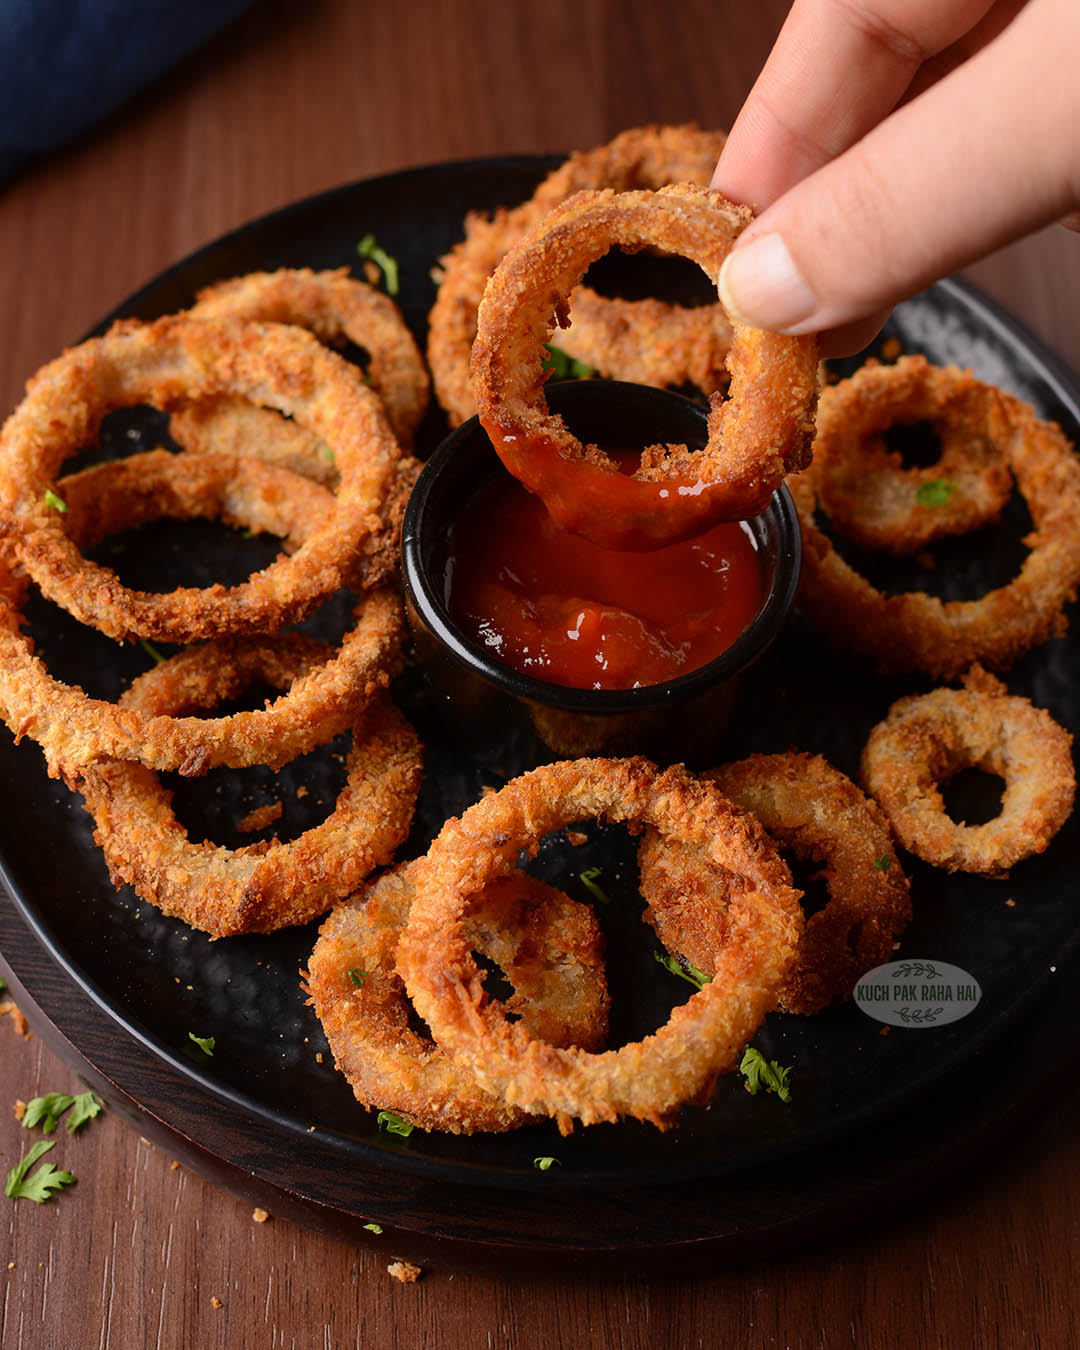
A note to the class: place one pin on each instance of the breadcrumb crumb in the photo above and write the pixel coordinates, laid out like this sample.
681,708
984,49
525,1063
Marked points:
404,1271
20,1108
260,817
259,1215
215,1302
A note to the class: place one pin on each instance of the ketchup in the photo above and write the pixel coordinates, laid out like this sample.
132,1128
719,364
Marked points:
556,606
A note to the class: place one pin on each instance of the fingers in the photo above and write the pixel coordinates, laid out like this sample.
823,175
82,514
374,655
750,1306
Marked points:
982,157
838,67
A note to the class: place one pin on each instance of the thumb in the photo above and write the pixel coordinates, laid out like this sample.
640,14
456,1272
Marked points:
978,160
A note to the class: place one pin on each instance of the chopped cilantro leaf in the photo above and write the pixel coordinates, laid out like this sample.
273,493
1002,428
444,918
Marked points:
357,976
760,1073
546,1164
936,492
686,970
41,1183
205,1043
87,1105
392,1123
3,985
564,366
375,1228
55,501
151,651
368,248
46,1111
588,880
883,863
326,453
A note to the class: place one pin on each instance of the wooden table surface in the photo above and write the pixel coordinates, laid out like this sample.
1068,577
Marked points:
288,101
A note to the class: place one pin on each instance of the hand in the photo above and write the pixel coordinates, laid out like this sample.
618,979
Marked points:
889,142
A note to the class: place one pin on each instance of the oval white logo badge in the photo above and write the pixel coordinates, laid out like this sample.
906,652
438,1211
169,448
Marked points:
917,993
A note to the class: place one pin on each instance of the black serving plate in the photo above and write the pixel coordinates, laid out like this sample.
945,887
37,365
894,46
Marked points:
156,980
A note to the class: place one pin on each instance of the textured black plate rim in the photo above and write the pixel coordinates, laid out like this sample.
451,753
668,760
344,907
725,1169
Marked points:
1008,332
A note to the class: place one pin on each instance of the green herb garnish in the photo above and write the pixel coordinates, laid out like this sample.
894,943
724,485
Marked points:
883,863
87,1105
935,493
327,454
358,976
152,652
392,1123
205,1043
588,880
761,1073
686,970
46,1111
368,248
375,1228
55,501
565,367
39,1186
546,1164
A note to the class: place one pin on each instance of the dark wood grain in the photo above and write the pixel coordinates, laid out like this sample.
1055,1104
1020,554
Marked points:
289,101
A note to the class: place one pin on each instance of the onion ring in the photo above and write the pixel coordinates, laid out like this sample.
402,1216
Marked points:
646,1079
161,363
761,433
233,426
915,631
73,728
684,345
861,486
927,738
547,945
260,887
818,813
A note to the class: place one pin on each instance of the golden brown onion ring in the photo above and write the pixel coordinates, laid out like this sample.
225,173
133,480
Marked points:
682,345
263,886
163,363
232,426
927,738
548,946
647,1079
915,631
819,814
757,436
862,487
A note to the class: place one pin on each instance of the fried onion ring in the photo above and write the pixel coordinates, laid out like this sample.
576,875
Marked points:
232,426
927,738
647,1079
162,363
548,946
683,346
915,631
818,813
867,495
263,886
762,432
73,728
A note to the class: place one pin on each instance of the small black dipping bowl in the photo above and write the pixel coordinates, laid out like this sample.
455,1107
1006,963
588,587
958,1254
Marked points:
684,718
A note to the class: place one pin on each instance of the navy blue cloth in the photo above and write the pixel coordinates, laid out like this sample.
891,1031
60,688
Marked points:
66,64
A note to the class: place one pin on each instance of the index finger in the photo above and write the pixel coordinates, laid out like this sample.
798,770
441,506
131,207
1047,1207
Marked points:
837,68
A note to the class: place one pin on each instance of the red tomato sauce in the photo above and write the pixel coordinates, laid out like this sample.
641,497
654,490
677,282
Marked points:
555,606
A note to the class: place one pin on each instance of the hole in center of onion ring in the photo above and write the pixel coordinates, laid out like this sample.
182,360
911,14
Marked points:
806,875
169,553
973,797
644,275
917,444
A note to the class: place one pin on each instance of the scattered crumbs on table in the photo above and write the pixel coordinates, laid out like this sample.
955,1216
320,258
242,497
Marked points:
301,791
215,1302
576,838
8,1007
1011,902
173,1165
891,348
19,1108
404,1271
318,1056
259,1215
260,817
884,1031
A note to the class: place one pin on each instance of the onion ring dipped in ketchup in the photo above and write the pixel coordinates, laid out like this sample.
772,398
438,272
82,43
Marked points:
763,432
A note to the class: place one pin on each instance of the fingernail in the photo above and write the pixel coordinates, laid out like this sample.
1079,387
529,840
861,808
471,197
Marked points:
760,286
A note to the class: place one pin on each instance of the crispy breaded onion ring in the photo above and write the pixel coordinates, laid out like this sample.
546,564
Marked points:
916,631
326,697
869,497
647,341
762,432
818,813
647,1079
232,426
548,946
928,738
163,363
263,886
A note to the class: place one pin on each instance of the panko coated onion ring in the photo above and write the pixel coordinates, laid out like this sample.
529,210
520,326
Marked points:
915,631
233,426
647,1079
757,436
73,728
163,363
548,946
684,345
818,813
260,887
868,497
927,738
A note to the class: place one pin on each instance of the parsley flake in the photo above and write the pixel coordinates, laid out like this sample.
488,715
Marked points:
392,1123
588,880
760,1073
936,492
87,1105
55,501
205,1043
686,970
152,652
546,1164
565,367
883,863
327,453
358,977
39,1185
375,1228
368,248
